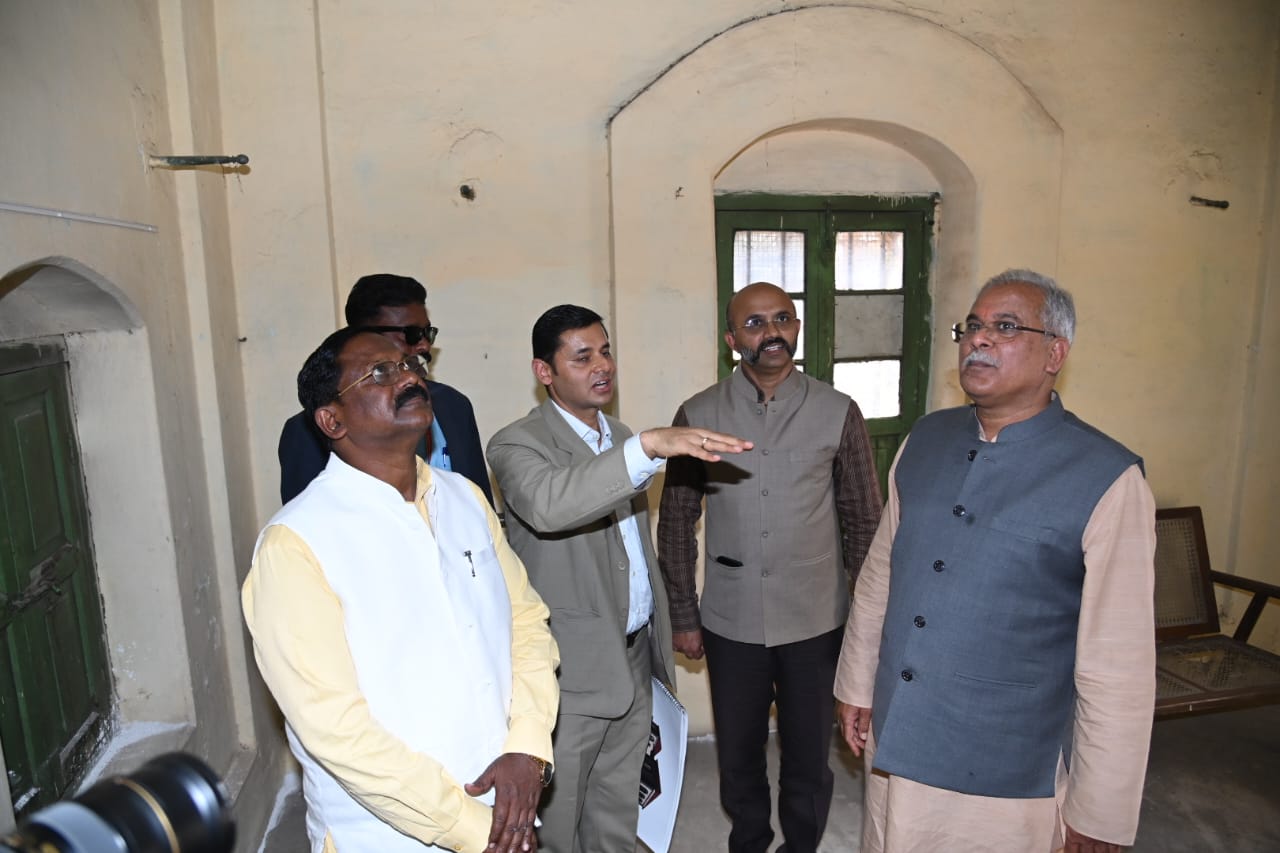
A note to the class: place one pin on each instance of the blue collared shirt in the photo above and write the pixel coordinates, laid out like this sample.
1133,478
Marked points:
439,449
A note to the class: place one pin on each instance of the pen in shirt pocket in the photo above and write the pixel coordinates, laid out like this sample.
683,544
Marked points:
470,562
729,561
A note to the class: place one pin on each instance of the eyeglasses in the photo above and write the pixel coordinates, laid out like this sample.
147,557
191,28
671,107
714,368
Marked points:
387,372
1001,330
781,320
412,334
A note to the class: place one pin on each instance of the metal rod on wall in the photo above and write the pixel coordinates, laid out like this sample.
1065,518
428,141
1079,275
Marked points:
71,215
179,161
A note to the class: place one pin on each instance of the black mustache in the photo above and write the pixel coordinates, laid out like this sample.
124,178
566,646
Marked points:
409,393
771,342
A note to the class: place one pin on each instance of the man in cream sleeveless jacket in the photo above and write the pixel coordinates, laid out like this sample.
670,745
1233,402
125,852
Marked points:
999,664
573,483
397,630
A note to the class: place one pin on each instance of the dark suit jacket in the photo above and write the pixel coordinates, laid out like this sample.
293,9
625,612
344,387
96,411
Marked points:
560,499
303,453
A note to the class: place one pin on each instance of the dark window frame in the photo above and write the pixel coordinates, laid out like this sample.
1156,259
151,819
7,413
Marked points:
821,217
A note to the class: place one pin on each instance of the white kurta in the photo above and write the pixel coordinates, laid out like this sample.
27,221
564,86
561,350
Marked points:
407,651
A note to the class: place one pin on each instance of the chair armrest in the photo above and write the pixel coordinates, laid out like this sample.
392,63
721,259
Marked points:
1260,587
1261,592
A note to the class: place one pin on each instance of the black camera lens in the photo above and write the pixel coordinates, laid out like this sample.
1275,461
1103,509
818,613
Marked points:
172,803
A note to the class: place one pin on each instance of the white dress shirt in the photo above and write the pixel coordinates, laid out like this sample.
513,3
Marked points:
641,469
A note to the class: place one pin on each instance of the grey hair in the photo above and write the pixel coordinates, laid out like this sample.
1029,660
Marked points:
1059,312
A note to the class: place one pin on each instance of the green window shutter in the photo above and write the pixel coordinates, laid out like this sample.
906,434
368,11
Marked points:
856,334
54,684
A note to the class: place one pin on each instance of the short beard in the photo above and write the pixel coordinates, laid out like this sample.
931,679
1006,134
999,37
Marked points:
751,356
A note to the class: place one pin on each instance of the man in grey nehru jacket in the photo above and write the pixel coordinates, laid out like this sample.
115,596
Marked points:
999,664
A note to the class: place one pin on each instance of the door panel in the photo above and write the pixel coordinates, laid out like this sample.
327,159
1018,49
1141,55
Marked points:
54,688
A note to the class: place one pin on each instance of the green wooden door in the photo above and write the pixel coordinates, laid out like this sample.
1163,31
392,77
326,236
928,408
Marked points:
54,687
858,270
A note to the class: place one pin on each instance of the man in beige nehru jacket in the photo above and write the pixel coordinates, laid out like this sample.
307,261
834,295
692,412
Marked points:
787,527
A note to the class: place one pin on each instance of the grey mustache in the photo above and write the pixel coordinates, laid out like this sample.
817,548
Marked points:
980,357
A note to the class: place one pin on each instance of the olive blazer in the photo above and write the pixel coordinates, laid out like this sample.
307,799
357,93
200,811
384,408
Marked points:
561,500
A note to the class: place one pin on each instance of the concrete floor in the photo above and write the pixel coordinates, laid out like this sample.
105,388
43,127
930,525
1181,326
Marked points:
1213,784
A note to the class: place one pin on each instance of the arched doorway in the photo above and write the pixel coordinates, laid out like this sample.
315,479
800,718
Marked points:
86,572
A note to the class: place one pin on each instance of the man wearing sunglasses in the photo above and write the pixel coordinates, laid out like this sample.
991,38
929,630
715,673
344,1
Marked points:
393,306
398,631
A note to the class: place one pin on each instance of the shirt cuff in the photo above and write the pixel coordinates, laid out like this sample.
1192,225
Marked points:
639,466
470,832
528,737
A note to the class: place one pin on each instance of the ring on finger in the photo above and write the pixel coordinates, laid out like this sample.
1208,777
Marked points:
705,439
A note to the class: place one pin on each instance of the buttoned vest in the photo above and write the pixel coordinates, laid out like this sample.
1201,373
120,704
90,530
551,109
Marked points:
974,691
774,564
427,619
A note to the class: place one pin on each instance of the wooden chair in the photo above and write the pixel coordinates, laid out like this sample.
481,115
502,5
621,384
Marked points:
1197,667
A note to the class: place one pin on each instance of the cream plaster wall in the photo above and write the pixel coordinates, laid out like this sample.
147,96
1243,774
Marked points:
1257,475
280,220
59,302
87,89
363,119
807,162
1152,102
750,82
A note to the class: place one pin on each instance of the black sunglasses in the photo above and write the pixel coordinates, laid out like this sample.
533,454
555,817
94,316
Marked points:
412,334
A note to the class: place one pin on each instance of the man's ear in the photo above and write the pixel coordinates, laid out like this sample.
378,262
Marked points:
330,423
1058,349
732,341
542,371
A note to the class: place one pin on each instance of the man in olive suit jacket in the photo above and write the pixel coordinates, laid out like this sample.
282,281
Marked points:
573,481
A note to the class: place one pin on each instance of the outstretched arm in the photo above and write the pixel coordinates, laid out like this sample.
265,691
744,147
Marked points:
553,497
691,441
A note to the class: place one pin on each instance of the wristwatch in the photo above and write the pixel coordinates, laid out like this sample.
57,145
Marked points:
545,770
